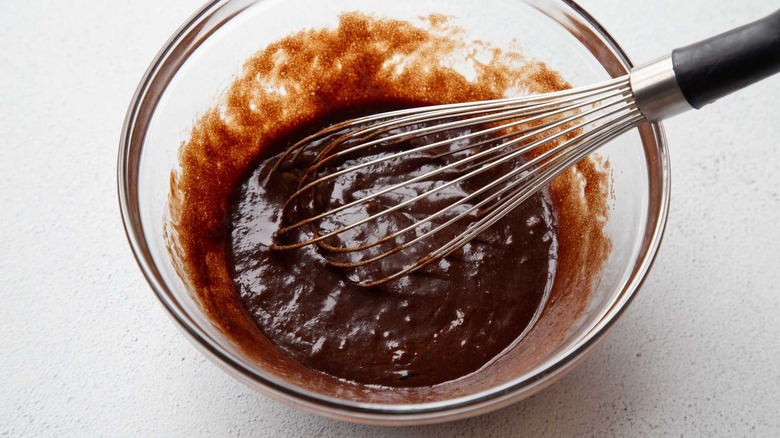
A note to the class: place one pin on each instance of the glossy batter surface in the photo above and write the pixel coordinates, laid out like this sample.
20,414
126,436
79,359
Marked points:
434,325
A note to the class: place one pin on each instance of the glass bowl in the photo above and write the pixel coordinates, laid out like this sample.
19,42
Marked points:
204,55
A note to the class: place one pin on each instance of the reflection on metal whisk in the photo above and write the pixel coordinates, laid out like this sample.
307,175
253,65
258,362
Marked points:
385,185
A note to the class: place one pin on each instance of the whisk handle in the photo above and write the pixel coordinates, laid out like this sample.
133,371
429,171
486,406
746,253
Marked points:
717,66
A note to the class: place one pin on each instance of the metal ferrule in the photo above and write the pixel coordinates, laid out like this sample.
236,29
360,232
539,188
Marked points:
655,88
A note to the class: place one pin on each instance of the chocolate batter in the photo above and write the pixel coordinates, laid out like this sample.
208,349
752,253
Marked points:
306,322
432,326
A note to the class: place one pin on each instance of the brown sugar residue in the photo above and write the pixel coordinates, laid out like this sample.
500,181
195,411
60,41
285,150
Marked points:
285,86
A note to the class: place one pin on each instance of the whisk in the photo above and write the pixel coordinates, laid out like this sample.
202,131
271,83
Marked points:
378,189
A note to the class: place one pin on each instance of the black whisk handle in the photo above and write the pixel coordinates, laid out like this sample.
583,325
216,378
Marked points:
717,66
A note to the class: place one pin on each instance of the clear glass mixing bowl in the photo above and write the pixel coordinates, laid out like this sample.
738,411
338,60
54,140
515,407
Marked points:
203,56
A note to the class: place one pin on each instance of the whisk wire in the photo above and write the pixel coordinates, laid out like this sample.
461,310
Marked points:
512,154
528,133
564,127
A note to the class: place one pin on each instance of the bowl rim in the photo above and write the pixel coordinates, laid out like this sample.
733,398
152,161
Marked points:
361,412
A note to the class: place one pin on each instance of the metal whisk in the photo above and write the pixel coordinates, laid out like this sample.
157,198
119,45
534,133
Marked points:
379,188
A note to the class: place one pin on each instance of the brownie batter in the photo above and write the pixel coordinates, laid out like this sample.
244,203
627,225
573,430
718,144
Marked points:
434,325
305,321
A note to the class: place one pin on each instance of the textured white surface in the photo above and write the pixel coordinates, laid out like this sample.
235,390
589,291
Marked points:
87,350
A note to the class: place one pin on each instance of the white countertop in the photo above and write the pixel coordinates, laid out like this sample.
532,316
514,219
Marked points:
87,350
